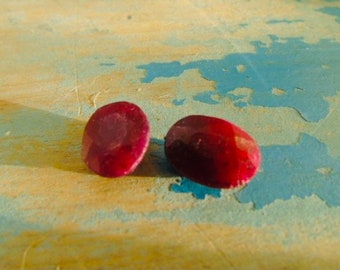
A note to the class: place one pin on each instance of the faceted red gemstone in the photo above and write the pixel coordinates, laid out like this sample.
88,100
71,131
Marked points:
115,139
212,151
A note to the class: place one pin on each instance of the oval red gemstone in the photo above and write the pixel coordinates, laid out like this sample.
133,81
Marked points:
212,151
115,139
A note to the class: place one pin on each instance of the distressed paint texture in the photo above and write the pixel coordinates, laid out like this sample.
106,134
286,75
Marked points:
271,67
281,65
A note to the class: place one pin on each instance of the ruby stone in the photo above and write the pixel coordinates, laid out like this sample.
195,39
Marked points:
115,139
212,151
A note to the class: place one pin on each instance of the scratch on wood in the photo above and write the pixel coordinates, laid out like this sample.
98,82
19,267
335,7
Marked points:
76,90
218,250
24,256
93,98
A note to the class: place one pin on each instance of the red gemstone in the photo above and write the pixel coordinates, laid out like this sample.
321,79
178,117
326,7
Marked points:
212,151
115,139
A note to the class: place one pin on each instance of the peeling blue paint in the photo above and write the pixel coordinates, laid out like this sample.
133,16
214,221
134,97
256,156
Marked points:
334,11
205,97
178,102
282,65
241,104
154,70
295,170
198,191
107,64
275,21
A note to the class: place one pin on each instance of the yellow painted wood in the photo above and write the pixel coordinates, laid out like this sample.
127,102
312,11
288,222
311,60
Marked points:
60,60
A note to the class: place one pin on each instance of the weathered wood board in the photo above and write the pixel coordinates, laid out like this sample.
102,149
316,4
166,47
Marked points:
272,67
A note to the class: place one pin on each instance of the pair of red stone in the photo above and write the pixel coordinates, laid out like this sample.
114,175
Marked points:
208,150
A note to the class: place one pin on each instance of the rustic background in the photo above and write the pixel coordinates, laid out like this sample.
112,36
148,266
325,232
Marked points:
271,67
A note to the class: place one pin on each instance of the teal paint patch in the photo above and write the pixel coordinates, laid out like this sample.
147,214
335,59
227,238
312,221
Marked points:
298,170
285,214
283,65
334,11
107,64
116,214
178,102
198,191
205,97
295,170
12,221
241,104
155,70
15,225
283,21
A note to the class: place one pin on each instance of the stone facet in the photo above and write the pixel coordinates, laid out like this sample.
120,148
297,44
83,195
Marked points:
115,139
212,151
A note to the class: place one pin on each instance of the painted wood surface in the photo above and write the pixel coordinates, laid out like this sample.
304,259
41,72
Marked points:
272,67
